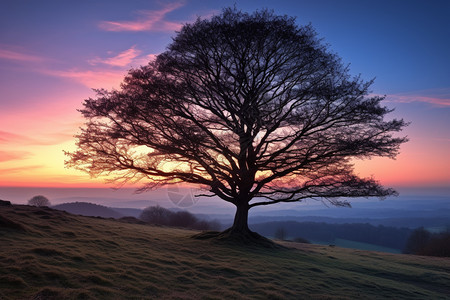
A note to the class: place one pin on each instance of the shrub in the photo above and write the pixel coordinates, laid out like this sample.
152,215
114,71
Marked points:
156,215
39,201
183,219
162,216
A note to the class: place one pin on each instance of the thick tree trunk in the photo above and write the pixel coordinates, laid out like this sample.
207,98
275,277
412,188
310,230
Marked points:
239,233
240,224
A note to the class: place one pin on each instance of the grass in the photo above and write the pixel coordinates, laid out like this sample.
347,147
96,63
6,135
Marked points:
358,245
48,254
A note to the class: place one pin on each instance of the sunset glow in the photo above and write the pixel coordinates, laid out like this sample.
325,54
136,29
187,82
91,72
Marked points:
48,68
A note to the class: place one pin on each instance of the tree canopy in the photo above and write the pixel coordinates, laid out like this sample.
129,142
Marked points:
39,200
252,108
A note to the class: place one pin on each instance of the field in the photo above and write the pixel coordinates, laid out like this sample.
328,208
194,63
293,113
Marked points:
49,254
358,245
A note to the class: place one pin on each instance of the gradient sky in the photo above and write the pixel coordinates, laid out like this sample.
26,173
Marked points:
52,53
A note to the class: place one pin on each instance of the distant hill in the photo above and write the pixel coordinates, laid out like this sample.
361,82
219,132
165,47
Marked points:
389,237
127,212
88,209
50,254
399,222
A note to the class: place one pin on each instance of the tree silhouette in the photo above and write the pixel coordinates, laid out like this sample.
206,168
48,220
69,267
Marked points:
252,108
39,201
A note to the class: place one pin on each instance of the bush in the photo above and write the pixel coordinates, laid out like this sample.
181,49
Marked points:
156,215
39,201
162,216
183,219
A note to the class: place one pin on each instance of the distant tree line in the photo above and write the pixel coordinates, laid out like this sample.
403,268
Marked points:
313,231
423,242
162,216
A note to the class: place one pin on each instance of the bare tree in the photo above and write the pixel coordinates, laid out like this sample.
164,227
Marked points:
156,215
252,108
39,201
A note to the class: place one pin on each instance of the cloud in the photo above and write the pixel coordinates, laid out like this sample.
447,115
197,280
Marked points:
16,155
21,169
148,20
48,139
100,78
107,75
437,97
8,137
15,55
121,60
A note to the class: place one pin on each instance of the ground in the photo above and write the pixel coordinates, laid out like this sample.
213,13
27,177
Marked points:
48,254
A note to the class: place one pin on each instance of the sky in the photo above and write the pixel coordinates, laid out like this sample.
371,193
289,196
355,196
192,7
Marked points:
53,53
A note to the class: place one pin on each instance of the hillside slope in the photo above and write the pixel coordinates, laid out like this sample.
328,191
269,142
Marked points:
50,254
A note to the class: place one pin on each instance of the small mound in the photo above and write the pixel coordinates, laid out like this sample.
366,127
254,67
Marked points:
247,238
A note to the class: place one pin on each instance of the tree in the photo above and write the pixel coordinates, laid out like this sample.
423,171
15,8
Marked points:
156,215
252,108
39,201
423,242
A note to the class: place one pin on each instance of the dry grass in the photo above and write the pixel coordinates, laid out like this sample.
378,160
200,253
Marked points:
47,254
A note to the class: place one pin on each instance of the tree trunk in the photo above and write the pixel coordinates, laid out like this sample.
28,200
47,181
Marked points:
239,233
240,224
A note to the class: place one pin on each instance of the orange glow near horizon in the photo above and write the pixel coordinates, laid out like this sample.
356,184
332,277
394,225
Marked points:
44,167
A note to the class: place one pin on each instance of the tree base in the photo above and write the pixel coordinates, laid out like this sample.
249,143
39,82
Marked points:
240,238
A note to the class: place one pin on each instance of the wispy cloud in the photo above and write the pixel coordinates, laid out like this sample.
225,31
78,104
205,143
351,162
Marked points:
20,139
147,20
106,72
24,169
122,59
100,78
16,155
8,137
437,97
20,56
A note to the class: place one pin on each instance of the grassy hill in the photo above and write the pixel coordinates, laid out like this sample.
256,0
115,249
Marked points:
50,254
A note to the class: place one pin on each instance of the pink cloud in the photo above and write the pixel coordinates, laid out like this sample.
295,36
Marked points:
16,155
438,97
144,60
19,56
107,76
102,78
8,137
44,140
21,169
148,20
121,60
